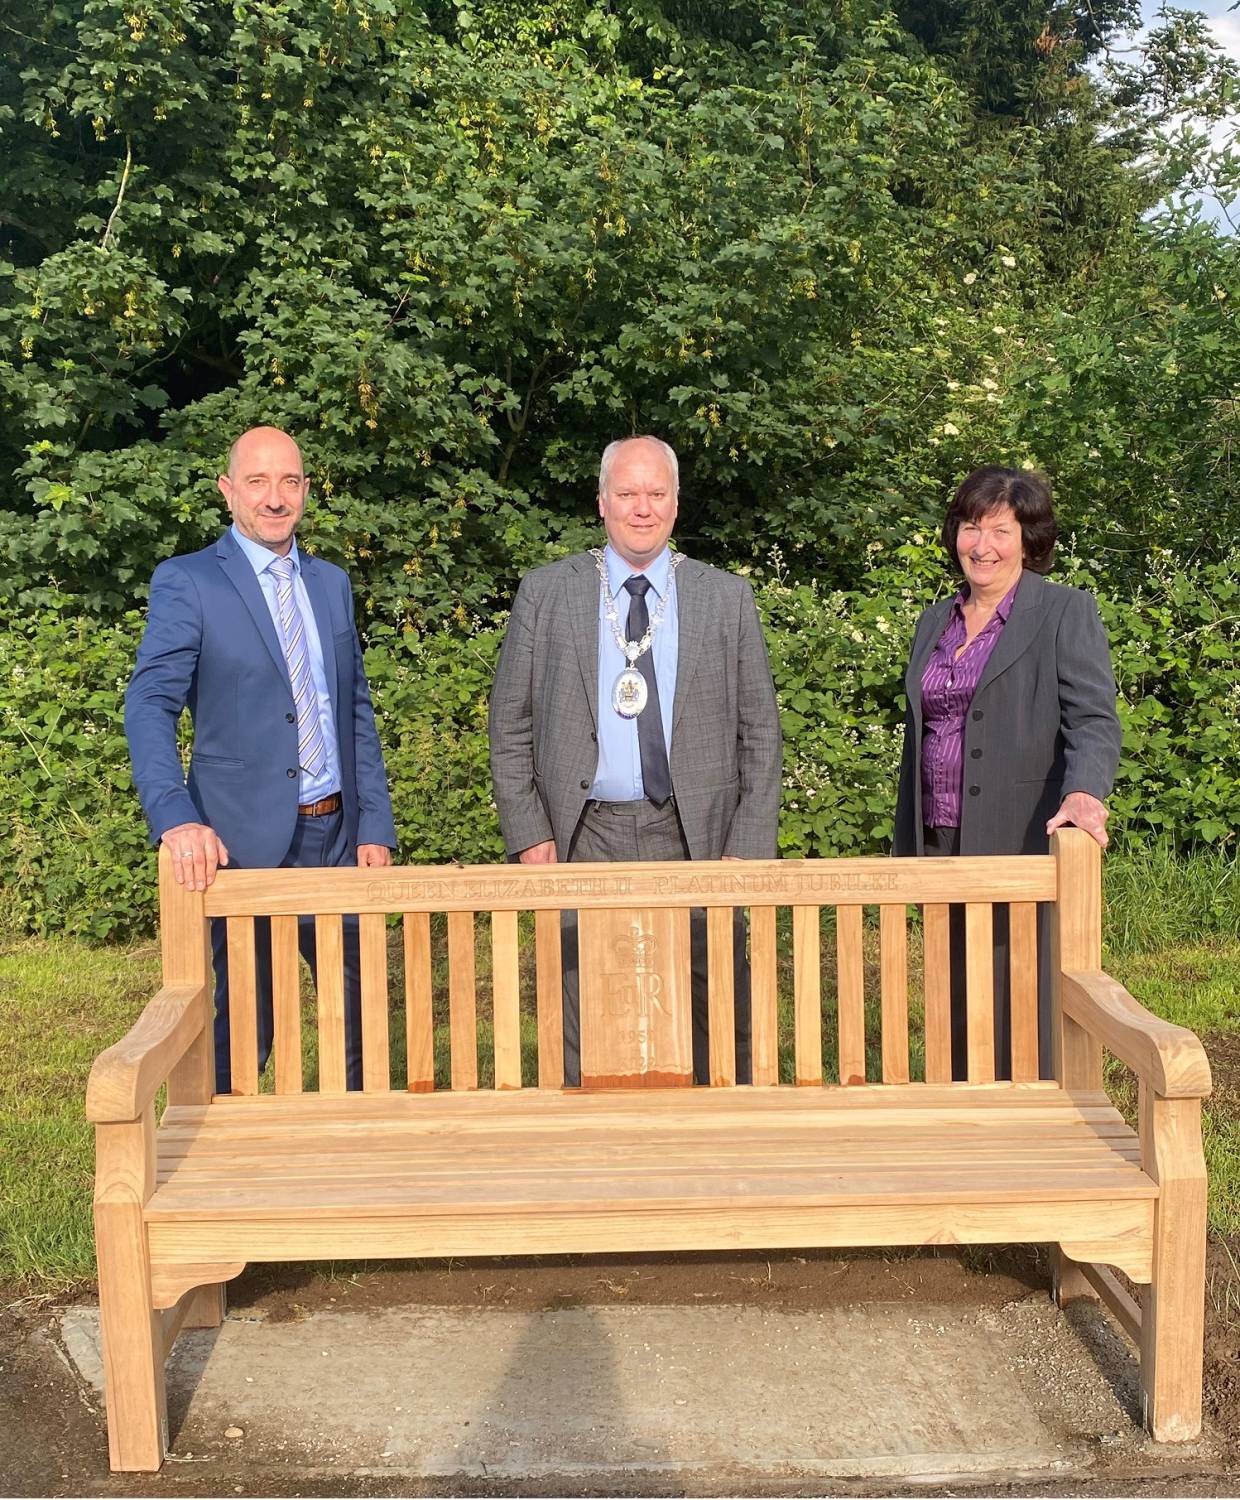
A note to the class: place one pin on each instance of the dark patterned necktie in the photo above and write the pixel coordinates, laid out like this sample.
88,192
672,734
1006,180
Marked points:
656,776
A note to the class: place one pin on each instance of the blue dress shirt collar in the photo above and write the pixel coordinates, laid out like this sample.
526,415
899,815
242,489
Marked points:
261,558
619,572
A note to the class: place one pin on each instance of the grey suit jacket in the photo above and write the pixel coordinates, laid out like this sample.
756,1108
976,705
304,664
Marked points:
1042,722
726,749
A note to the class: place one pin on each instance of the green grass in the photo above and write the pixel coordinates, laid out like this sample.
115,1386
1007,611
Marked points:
61,1003
1172,937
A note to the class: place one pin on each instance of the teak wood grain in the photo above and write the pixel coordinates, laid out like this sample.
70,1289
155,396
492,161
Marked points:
640,1159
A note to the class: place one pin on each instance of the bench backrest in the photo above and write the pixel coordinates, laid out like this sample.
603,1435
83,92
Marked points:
890,1021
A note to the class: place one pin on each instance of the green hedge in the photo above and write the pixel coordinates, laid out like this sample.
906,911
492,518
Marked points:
73,844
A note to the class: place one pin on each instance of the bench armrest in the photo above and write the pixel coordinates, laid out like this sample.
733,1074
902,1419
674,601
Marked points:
1169,1058
125,1078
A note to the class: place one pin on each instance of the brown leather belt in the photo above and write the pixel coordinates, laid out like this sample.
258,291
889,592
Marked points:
321,808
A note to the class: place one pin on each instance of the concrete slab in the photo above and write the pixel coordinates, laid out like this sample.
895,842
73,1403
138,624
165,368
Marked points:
583,1393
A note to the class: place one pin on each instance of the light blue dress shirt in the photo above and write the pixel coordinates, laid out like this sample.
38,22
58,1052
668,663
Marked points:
328,780
618,777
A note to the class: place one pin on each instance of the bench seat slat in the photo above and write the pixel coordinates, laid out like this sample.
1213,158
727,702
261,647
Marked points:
545,1159
923,1102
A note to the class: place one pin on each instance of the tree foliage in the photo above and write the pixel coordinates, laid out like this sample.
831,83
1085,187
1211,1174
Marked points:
837,252
836,255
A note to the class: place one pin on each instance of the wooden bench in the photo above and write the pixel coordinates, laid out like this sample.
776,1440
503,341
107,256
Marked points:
870,1144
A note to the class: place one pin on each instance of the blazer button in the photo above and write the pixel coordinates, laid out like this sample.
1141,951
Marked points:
594,737
977,754
585,786
975,791
290,773
977,714
290,718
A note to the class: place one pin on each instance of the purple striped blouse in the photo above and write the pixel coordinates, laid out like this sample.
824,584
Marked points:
947,688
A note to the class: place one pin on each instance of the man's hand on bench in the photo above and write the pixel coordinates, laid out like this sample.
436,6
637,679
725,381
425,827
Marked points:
539,854
371,856
197,852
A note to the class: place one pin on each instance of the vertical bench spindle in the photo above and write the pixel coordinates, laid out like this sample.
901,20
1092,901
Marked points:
893,981
506,999
329,966
764,993
372,935
419,1013
807,993
462,1001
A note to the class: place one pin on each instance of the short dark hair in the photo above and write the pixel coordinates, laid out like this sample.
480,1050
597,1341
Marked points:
1029,495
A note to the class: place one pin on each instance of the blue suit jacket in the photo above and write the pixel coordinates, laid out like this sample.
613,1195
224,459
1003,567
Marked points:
210,644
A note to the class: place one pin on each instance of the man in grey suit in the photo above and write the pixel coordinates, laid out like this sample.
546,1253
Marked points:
633,715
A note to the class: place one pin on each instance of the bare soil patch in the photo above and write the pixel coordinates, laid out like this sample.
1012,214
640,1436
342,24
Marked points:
52,1439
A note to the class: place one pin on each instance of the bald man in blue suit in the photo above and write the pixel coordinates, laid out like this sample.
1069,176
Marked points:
258,640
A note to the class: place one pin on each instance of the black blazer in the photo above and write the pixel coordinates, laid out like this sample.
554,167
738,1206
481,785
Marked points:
1042,722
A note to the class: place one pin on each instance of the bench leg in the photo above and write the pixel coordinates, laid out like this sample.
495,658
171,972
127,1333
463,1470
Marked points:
1068,1283
1173,1307
206,1306
132,1330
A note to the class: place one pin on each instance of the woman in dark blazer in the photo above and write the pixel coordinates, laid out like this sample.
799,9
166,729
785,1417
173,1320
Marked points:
1011,730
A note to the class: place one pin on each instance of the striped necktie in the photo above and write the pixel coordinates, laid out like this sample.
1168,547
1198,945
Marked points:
311,752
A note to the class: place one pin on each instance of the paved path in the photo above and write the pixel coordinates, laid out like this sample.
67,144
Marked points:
726,1396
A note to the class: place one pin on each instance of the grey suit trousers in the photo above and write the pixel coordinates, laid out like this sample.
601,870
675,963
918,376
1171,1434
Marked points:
611,831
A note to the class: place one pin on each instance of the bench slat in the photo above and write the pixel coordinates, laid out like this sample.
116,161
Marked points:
635,991
721,995
893,970
764,991
980,990
419,1013
506,999
850,990
807,993
548,962
286,1004
462,1000
784,882
675,1148
372,933
329,965
242,1006
786,1152
1023,949
936,982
